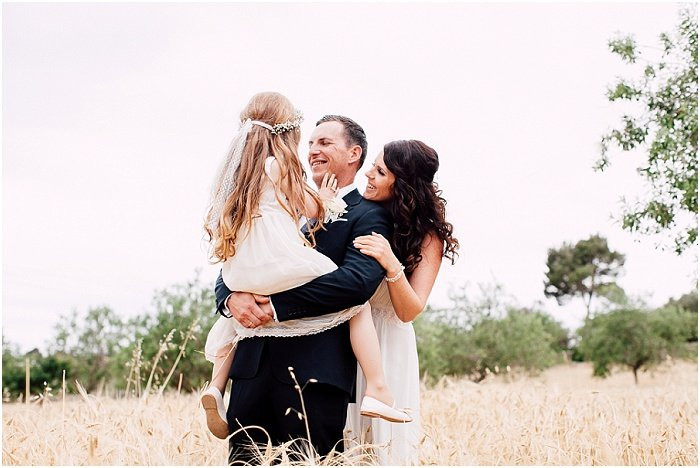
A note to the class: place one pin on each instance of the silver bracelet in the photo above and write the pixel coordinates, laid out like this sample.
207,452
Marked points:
395,278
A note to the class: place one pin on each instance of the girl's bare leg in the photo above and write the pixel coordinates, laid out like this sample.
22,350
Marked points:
365,345
212,398
222,364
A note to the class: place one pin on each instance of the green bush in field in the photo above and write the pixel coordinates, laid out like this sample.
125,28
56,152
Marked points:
442,347
635,339
559,341
12,369
46,372
689,303
522,339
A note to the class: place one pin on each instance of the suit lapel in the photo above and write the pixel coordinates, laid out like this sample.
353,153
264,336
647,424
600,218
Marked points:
352,198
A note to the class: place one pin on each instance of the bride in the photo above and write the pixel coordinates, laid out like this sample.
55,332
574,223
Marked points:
401,179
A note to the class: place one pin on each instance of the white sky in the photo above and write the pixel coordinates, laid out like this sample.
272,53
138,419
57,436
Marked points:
116,116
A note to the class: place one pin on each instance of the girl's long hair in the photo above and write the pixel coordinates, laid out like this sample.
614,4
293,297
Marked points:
242,204
416,204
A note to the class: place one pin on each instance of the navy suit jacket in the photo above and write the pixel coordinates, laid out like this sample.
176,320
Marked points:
327,356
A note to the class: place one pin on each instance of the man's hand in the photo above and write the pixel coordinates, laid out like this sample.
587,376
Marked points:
251,310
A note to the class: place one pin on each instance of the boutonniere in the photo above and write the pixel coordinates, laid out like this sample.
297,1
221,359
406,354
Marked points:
335,208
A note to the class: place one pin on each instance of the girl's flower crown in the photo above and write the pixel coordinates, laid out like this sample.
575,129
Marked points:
292,124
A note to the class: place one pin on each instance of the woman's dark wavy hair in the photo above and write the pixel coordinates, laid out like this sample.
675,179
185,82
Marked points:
416,204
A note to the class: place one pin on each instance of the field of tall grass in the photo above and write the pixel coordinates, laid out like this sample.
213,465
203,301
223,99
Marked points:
562,417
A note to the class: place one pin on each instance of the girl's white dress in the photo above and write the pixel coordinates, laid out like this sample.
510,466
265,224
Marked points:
397,443
270,259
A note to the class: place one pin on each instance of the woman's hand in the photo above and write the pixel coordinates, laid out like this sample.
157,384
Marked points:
377,247
329,187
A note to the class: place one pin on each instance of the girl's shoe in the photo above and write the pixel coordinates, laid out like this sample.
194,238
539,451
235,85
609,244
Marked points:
213,403
376,409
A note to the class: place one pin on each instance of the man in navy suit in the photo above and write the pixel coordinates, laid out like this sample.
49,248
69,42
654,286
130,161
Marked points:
262,387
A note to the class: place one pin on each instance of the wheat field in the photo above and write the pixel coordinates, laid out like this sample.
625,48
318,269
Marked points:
562,417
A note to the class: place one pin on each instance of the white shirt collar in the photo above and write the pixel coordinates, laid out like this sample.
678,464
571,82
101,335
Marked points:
345,190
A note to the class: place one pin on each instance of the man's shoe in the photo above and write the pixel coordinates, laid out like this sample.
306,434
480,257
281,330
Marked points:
213,404
376,409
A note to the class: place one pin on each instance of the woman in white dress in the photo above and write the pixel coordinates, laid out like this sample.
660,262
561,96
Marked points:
401,178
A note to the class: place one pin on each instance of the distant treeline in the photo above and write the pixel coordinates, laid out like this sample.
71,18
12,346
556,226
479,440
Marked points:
107,353
477,335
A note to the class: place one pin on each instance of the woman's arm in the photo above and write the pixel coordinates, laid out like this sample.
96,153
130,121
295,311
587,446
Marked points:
408,296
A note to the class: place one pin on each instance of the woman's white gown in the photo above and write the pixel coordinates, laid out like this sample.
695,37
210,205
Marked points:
397,442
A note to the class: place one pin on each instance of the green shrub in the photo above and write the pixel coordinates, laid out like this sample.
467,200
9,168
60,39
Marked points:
45,371
523,339
634,339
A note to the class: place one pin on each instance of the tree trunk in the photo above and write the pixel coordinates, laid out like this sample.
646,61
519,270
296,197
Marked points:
587,302
590,295
634,371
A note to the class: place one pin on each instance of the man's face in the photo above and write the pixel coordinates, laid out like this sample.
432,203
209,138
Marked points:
329,153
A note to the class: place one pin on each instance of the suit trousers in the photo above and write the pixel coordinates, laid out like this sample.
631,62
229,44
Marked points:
263,401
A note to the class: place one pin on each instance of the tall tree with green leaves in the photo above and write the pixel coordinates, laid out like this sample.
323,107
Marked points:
584,270
665,127
90,342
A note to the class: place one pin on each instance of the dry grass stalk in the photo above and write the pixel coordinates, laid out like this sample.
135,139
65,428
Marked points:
189,334
135,369
162,347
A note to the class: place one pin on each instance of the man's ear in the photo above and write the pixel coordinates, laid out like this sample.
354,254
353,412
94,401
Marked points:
355,154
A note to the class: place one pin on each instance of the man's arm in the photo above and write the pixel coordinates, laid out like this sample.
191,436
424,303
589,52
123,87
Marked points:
222,292
251,310
353,283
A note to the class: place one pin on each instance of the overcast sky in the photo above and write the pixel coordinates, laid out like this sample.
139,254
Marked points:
116,116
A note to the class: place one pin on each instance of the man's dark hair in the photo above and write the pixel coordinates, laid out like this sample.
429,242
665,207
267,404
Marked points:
354,134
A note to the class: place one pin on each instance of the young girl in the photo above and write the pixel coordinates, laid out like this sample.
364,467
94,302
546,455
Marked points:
253,225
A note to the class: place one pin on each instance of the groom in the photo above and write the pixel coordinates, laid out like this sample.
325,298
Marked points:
262,387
